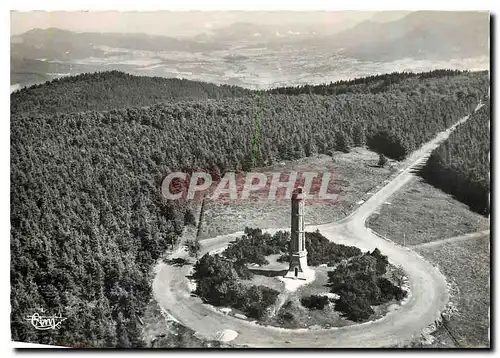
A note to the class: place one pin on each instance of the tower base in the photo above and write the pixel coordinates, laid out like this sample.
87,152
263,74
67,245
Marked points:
298,266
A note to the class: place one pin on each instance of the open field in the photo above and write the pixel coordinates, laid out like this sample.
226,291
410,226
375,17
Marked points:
249,65
421,213
354,175
467,264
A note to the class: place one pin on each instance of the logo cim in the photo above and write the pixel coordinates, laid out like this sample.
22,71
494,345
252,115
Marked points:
42,322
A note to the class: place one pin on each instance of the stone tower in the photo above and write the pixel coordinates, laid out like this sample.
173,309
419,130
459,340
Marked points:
298,254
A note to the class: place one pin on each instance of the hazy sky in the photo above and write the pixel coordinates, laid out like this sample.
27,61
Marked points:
176,23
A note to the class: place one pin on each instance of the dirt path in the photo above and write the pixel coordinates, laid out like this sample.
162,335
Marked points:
428,287
471,236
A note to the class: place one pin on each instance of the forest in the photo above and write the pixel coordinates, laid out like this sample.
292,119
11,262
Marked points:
88,155
461,165
369,84
113,89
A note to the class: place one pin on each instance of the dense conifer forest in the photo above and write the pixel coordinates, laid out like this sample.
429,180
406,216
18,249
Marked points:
461,165
113,89
87,160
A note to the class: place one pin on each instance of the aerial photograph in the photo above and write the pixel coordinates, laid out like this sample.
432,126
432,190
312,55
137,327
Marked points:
250,179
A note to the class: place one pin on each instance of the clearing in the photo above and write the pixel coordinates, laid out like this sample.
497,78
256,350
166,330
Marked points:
466,264
421,213
354,176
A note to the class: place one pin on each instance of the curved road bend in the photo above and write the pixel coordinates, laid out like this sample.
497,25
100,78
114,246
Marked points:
428,287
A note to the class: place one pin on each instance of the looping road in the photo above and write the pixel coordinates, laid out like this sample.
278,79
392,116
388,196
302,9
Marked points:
428,287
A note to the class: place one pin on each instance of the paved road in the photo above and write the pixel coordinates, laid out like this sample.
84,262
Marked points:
428,287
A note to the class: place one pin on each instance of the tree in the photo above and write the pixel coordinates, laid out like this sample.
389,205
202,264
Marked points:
398,275
193,247
189,218
311,148
359,136
342,142
382,160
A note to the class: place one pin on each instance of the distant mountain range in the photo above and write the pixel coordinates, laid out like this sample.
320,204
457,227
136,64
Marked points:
421,34
61,44
41,54
386,36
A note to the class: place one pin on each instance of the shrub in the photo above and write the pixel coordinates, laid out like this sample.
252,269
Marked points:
315,302
382,261
193,247
257,299
217,284
361,279
320,250
356,308
389,291
286,317
382,160
254,246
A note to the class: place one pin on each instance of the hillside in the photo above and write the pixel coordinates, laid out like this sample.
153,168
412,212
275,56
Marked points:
113,89
87,219
369,84
419,35
62,44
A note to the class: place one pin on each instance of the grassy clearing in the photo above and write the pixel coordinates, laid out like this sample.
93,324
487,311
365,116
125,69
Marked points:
466,265
271,282
424,214
293,314
354,174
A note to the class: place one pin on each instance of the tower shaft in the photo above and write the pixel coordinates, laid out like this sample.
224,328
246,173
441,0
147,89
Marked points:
298,252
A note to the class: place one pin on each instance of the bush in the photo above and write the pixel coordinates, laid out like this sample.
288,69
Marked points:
286,317
361,279
254,246
217,284
389,291
315,302
382,160
382,261
356,308
256,299
193,246
320,250
242,270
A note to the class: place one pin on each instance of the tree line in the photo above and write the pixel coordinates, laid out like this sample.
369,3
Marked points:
461,165
112,89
